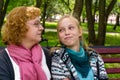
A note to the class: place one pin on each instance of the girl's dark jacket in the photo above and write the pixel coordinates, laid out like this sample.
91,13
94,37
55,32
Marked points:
62,66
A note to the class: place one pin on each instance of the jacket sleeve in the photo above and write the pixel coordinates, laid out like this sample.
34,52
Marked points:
6,69
101,69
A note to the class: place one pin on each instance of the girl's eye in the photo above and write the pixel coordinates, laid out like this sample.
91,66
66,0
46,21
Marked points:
61,30
71,27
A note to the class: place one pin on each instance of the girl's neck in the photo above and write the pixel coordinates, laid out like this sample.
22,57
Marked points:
75,48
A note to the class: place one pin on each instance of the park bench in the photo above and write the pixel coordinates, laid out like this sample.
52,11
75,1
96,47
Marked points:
110,54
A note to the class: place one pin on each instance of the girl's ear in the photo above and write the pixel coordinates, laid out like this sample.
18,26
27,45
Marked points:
80,31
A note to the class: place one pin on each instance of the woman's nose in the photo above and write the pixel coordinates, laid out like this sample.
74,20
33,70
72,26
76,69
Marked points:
41,27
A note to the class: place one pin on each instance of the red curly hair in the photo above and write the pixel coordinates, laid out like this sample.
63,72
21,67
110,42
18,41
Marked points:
15,28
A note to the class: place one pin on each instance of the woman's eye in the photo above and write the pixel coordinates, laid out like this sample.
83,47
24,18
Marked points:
36,23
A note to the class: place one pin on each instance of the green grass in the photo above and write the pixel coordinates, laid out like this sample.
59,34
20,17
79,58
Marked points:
52,25
52,39
1,43
114,76
109,28
112,40
113,65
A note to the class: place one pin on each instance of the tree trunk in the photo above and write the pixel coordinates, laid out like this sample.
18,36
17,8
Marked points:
90,19
78,9
117,22
44,14
103,16
38,3
102,23
3,9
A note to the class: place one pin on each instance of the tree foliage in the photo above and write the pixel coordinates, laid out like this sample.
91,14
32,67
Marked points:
78,8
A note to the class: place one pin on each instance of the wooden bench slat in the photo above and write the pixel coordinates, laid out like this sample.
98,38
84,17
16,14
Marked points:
113,70
107,49
111,60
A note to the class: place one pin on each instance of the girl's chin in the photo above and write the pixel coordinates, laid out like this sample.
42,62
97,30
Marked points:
67,44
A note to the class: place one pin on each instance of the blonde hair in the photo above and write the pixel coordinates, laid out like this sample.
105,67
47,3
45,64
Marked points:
70,17
15,27
82,41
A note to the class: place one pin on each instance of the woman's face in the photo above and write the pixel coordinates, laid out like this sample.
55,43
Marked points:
34,33
69,32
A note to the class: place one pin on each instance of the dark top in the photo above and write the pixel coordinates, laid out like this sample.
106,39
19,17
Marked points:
6,67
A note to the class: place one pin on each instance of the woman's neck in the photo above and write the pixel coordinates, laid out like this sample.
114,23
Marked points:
27,45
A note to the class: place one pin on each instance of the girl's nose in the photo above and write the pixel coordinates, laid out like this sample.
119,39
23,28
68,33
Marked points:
66,32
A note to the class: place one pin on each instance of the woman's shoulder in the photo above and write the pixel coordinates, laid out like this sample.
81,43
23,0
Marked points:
3,54
45,49
6,67
4,58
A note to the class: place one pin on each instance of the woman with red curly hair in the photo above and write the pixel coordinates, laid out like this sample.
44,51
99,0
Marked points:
24,58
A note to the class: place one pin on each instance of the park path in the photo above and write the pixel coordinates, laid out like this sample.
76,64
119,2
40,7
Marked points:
110,33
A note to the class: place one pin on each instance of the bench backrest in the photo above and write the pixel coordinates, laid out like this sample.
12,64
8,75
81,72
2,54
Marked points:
110,54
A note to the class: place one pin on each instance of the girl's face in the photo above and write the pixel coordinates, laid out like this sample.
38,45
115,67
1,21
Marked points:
69,32
34,32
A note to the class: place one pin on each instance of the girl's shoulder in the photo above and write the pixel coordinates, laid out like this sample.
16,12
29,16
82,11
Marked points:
57,50
92,53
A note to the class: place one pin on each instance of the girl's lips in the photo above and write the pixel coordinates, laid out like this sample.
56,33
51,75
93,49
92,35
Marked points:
67,37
